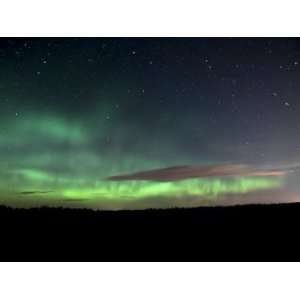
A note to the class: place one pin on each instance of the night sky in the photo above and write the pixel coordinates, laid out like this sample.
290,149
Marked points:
85,121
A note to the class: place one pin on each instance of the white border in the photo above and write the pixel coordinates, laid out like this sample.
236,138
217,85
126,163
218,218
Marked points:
149,18
149,281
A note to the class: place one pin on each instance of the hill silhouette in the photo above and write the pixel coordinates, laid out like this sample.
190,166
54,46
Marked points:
239,233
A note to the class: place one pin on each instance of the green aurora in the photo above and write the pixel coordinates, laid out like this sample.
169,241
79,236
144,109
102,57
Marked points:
52,161
76,111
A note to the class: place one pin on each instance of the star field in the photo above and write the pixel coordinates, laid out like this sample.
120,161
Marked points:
74,111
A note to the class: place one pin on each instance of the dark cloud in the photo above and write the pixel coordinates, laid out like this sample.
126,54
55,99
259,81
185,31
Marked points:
188,172
34,192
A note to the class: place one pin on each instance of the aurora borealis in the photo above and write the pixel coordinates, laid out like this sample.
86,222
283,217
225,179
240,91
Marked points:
76,111
49,161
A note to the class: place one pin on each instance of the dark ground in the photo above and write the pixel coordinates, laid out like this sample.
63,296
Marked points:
241,233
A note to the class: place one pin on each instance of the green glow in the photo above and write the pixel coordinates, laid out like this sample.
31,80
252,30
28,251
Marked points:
46,129
90,193
210,189
52,161
34,175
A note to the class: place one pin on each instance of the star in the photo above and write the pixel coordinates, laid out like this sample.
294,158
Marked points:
85,100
